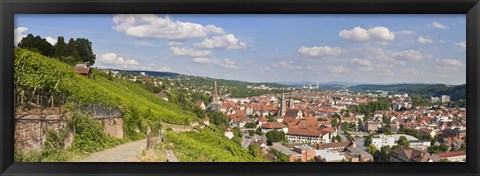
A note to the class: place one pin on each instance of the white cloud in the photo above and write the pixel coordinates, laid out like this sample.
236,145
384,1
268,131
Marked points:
450,62
18,34
185,51
286,64
153,26
360,34
267,68
226,63
405,32
424,40
338,69
361,62
203,60
228,41
320,51
51,40
410,55
438,25
164,69
112,59
460,46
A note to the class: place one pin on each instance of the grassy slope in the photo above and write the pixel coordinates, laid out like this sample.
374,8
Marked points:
35,70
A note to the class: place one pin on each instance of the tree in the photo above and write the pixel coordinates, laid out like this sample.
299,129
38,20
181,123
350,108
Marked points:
237,132
334,122
402,141
259,131
37,44
275,136
84,48
368,140
251,132
60,48
71,50
250,125
438,148
338,138
217,118
383,155
360,124
372,149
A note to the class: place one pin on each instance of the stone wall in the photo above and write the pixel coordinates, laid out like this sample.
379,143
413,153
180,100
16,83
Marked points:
31,130
113,126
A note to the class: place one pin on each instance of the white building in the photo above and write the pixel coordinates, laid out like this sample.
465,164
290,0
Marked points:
383,140
445,98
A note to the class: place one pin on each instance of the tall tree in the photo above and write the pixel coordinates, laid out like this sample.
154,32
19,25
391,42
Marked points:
60,48
84,48
71,50
37,44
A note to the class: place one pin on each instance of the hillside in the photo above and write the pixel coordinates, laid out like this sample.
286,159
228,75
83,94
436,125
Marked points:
455,92
237,89
140,109
37,71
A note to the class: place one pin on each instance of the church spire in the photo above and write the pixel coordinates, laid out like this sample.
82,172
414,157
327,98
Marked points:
283,107
215,105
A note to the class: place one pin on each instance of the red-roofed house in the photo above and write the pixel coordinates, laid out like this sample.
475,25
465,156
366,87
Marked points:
266,127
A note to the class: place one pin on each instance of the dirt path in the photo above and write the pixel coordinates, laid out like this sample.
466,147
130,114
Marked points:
123,153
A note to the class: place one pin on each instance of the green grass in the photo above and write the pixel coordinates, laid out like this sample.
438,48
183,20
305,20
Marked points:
37,71
208,146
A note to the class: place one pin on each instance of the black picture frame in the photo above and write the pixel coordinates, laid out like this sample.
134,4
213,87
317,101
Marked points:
8,8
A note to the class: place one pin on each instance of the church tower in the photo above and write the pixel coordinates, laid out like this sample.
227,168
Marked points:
215,105
283,106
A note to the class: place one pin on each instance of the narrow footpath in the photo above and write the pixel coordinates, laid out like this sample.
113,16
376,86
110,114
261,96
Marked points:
122,153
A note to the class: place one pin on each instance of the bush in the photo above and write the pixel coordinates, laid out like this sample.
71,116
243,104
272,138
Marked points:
89,135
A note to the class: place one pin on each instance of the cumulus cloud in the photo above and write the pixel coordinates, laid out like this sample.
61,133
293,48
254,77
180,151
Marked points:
361,62
18,34
338,69
286,64
267,68
228,41
51,40
460,46
153,26
320,51
438,25
410,55
450,62
226,63
112,59
424,40
359,34
185,51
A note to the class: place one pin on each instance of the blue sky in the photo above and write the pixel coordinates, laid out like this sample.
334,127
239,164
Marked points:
353,48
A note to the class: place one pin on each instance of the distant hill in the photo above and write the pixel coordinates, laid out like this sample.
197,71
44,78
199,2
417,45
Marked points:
455,92
153,73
